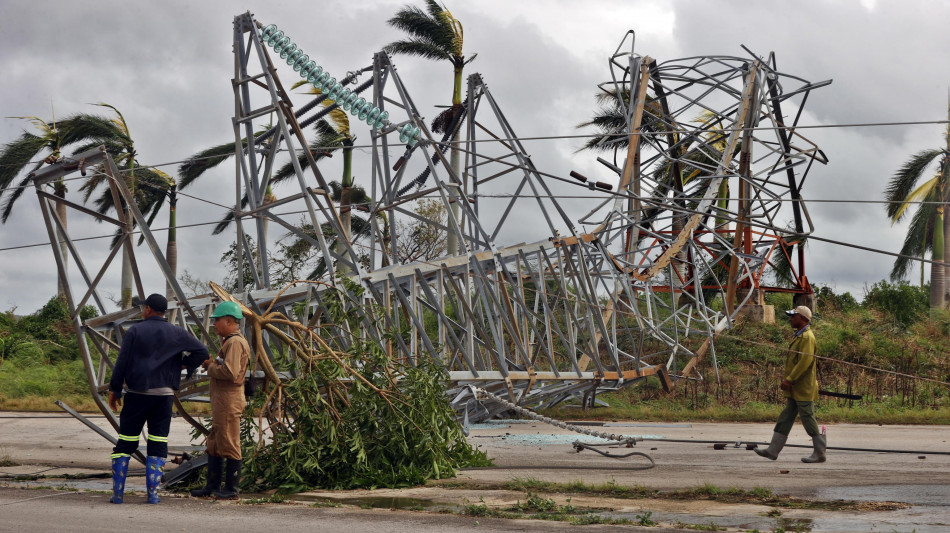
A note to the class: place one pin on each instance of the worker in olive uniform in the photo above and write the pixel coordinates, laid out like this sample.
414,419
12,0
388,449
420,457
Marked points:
226,373
149,365
800,385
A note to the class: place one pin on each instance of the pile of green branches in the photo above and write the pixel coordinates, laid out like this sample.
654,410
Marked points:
346,419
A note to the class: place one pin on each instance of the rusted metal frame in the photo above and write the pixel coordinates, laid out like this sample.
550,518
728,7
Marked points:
713,185
631,167
435,304
773,89
738,237
677,178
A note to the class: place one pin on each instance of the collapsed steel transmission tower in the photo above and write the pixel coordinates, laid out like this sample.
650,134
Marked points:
533,305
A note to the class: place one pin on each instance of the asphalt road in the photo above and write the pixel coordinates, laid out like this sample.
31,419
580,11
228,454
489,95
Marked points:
53,445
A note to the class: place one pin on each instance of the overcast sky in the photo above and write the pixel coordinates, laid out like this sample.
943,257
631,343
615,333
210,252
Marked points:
167,66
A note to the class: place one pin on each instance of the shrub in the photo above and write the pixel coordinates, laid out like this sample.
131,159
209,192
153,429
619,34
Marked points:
828,300
903,302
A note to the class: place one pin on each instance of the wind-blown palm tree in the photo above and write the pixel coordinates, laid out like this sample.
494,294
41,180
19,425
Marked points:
113,133
435,34
28,152
930,224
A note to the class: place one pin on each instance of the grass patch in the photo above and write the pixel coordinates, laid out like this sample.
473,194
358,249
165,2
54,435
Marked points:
276,498
536,507
610,488
701,527
706,491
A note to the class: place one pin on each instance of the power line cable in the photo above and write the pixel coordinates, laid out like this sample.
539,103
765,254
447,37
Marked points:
607,135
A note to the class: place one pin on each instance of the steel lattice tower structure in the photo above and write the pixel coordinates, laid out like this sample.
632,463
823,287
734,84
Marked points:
710,170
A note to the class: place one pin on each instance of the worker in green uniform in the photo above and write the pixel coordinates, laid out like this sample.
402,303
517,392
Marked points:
800,384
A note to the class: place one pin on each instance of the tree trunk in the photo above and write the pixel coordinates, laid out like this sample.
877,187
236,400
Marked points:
453,240
346,187
945,298
171,248
60,191
345,219
125,301
936,268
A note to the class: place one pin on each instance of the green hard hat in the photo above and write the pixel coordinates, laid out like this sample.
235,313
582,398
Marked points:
228,309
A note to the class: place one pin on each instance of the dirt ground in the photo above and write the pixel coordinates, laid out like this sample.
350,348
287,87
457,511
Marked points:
678,456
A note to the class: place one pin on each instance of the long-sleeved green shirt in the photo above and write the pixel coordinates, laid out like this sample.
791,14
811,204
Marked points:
800,368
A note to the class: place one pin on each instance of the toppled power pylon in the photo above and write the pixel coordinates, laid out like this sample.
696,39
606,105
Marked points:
710,169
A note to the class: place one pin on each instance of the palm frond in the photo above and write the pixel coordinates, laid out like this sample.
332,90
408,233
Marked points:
434,35
199,163
925,192
905,181
120,121
7,205
17,154
84,127
917,241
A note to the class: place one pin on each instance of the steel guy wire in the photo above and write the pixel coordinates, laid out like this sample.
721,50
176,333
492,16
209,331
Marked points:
590,135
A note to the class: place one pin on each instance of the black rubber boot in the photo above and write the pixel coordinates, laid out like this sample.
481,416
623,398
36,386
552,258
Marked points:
215,464
232,480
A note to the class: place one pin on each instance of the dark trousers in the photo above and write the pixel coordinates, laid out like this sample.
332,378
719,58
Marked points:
137,411
793,409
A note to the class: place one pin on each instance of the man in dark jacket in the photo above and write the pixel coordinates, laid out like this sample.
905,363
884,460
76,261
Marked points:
149,364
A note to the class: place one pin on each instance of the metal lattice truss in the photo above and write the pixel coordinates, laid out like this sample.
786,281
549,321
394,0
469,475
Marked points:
710,171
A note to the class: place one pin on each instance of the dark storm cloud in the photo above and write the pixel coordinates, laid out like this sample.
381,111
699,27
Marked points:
168,67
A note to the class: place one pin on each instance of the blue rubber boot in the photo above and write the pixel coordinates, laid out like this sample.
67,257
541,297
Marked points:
154,467
120,468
